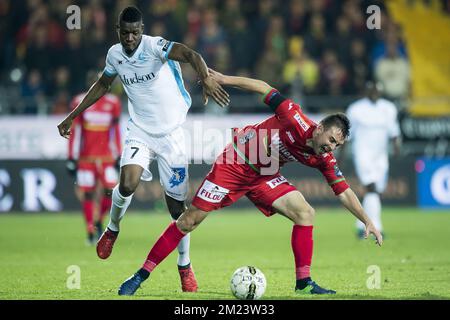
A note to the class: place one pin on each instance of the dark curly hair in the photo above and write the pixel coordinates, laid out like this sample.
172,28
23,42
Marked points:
130,15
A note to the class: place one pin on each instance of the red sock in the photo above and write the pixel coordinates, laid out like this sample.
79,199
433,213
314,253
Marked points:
302,246
166,243
105,205
88,211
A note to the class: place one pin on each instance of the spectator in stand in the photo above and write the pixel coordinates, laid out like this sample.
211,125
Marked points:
333,74
162,11
299,67
74,52
231,12
212,36
61,90
342,38
270,66
33,93
297,19
352,10
261,21
244,45
316,38
358,68
393,72
38,53
275,36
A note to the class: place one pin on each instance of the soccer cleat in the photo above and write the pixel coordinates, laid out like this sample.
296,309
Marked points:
313,288
188,281
105,243
129,287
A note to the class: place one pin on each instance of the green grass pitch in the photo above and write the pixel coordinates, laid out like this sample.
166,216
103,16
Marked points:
36,251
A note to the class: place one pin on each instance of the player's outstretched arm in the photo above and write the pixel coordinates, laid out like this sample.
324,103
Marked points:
211,88
248,84
349,199
96,91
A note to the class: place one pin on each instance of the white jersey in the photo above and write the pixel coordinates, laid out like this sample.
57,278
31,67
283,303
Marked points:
372,125
157,99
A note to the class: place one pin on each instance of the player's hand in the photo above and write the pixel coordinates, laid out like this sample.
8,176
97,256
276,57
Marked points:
211,88
219,77
64,127
370,229
71,166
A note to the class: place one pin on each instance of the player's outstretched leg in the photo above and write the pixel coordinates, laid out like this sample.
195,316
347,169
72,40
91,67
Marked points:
166,243
187,275
88,212
302,246
294,206
108,238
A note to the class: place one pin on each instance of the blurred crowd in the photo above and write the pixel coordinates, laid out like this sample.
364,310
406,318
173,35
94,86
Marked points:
320,47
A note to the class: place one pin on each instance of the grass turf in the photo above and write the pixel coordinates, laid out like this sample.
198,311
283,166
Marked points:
36,251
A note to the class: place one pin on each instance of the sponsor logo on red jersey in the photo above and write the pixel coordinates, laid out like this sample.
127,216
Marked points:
302,122
211,192
289,134
279,146
275,182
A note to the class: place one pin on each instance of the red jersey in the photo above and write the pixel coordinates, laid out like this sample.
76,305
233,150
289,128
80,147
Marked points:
268,145
96,132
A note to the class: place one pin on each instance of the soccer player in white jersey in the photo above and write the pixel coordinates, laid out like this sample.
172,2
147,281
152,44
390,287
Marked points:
157,103
374,125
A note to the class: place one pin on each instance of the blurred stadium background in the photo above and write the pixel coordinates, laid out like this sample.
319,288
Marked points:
321,53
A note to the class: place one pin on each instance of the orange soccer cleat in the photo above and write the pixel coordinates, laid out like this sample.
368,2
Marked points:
188,281
105,243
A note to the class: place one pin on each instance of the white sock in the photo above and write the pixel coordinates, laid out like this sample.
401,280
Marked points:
118,208
372,206
183,250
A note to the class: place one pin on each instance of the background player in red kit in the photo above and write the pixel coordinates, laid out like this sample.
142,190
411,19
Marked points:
250,166
96,137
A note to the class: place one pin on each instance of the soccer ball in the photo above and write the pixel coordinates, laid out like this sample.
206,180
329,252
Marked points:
248,283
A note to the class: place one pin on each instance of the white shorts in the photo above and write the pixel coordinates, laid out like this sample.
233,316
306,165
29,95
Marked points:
372,171
170,153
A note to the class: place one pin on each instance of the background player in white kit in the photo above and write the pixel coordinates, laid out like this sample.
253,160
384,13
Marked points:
373,125
157,102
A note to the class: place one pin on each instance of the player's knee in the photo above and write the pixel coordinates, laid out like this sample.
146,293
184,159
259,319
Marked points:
186,224
304,215
189,220
127,188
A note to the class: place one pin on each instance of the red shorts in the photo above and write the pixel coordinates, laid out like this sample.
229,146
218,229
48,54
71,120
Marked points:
89,173
226,183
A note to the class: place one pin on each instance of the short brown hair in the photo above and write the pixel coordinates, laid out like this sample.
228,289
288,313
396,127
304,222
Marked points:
338,120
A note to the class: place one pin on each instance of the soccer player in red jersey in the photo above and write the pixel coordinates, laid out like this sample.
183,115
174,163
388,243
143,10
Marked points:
250,166
96,137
